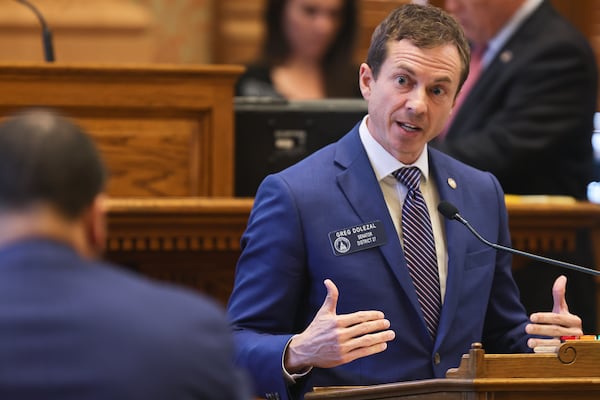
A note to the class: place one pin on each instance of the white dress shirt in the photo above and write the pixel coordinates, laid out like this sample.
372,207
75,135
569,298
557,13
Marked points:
394,192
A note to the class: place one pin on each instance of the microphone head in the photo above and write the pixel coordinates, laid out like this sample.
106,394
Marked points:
448,209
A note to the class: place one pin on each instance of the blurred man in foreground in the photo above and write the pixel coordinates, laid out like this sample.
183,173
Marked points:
72,327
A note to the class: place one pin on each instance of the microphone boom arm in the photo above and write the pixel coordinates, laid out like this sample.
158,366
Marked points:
523,253
46,32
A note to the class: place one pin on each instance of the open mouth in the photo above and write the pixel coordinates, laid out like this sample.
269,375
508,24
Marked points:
409,127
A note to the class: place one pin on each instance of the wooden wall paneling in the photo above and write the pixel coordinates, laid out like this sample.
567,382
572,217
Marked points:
238,31
577,12
183,29
83,31
163,130
150,155
371,13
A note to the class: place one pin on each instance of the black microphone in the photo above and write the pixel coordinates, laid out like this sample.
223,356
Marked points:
449,211
46,33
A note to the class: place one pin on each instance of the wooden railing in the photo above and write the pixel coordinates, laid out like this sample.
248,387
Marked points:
196,241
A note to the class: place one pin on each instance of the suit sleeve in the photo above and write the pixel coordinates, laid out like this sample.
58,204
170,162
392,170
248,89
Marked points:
505,321
267,297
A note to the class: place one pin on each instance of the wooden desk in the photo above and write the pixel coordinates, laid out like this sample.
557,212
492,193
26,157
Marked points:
196,241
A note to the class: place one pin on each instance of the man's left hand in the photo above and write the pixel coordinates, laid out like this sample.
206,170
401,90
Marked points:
559,322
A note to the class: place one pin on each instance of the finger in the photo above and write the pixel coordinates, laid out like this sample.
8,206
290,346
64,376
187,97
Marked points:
330,303
367,345
551,318
358,317
532,343
559,290
364,328
553,330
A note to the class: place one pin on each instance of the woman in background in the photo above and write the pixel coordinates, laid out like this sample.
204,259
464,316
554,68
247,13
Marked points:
307,52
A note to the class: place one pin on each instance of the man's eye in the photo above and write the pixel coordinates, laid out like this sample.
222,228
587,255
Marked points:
438,91
401,80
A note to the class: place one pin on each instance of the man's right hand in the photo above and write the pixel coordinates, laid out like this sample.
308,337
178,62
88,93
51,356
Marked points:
331,340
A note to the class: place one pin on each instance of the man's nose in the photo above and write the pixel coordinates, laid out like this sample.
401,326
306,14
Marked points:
416,101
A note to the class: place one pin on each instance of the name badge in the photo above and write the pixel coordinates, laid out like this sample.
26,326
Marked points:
357,238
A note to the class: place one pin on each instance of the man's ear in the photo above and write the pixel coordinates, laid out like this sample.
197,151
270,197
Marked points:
96,226
365,78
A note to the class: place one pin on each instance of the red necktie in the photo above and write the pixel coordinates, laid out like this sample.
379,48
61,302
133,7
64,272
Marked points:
474,72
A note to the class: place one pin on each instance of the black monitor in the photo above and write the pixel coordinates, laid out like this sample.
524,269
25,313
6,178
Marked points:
272,134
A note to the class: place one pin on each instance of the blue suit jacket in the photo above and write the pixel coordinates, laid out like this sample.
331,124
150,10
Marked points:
73,329
287,254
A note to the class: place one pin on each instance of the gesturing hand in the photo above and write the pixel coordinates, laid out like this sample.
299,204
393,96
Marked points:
331,340
559,322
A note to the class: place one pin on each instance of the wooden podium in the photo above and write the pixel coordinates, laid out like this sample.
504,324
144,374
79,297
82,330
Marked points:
573,373
164,130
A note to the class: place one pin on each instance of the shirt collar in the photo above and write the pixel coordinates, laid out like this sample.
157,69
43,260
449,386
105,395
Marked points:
384,163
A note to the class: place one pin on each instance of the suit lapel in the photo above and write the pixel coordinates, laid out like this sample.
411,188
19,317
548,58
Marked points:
443,171
359,184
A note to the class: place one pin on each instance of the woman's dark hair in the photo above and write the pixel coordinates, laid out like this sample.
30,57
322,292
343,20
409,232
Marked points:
276,48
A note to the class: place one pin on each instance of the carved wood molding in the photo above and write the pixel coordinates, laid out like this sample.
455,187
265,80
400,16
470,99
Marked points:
544,240
177,224
190,224
195,241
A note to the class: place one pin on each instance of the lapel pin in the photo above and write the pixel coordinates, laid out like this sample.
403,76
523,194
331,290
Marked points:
506,56
452,183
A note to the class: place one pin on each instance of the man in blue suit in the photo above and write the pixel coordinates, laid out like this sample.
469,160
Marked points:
75,328
330,228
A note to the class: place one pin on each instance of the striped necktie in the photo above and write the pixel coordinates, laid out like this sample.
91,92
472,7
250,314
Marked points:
419,247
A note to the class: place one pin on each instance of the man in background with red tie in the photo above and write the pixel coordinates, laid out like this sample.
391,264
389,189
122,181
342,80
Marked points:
348,274
528,119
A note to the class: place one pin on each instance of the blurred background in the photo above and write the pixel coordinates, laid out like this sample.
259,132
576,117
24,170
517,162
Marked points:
194,32
183,31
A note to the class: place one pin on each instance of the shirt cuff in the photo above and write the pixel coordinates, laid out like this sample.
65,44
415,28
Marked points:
291,378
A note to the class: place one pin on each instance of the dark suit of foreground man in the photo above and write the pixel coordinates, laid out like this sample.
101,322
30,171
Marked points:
75,328
310,313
